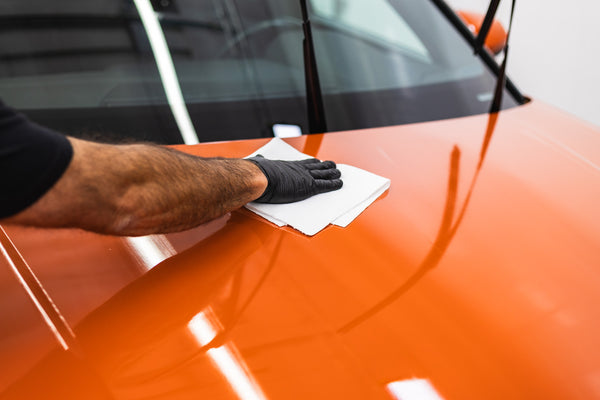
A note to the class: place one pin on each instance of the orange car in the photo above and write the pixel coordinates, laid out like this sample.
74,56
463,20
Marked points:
476,275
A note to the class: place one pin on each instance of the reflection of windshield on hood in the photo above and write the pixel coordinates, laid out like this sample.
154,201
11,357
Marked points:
90,68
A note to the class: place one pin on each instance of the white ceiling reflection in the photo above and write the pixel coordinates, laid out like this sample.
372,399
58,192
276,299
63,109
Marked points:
413,389
205,327
150,250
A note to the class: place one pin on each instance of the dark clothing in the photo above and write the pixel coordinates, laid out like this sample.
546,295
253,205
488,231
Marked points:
32,159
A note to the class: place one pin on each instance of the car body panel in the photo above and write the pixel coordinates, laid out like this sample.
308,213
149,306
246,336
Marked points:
496,37
476,272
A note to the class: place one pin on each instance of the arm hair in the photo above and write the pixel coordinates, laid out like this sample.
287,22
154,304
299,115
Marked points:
140,189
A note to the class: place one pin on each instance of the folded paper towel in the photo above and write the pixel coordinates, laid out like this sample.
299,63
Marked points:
340,207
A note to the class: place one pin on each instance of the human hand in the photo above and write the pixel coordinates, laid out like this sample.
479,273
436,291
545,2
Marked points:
291,181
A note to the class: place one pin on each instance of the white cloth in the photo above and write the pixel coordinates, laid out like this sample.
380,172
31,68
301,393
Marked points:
340,207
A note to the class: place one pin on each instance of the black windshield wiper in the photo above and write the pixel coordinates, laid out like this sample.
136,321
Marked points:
480,41
497,101
486,25
485,56
314,98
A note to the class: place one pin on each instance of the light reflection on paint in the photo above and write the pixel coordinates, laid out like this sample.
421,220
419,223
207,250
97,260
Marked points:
413,389
151,250
205,327
55,321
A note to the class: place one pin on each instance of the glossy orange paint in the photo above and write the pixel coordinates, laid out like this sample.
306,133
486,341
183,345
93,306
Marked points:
477,272
496,39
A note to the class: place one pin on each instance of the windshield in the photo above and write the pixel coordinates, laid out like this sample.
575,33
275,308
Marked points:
175,71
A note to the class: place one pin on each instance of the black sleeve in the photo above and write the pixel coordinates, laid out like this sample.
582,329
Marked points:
32,159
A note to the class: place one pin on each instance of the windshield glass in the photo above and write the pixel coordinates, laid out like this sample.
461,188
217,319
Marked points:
174,71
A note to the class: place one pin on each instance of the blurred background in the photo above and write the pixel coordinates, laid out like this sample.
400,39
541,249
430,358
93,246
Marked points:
554,51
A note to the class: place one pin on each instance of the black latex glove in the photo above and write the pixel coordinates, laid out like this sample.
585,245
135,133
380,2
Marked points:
291,181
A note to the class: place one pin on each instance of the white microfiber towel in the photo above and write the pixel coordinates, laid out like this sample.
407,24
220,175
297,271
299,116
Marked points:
340,207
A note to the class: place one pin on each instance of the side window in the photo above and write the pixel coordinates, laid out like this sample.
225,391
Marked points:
359,15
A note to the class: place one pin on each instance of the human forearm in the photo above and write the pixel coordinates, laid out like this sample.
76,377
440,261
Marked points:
142,189
176,191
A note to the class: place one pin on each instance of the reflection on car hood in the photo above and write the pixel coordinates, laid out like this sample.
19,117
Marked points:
474,276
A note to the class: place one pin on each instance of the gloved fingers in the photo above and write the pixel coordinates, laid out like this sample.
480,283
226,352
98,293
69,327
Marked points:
290,181
319,165
325,173
328,185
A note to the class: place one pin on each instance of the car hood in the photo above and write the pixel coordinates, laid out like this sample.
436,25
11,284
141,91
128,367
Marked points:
474,276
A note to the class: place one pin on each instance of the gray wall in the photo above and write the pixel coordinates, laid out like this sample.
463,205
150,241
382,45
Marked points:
554,51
